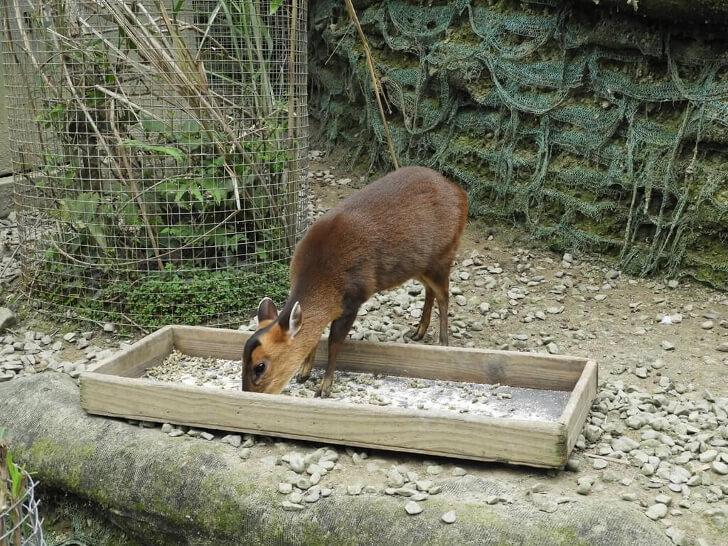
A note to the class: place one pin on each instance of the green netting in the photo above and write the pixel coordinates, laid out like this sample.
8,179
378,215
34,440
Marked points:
596,130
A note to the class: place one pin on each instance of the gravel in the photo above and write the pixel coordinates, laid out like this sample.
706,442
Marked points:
357,388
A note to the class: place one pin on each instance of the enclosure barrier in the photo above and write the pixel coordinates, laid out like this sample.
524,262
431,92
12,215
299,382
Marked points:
20,522
160,152
596,130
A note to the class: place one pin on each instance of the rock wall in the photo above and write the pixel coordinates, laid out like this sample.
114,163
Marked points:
596,129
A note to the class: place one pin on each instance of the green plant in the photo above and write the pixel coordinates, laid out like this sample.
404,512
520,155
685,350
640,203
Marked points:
13,486
169,148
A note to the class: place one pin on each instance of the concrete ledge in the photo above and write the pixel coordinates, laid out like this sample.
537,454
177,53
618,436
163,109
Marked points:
189,491
6,196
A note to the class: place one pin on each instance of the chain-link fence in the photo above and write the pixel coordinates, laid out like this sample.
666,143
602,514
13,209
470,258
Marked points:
20,522
159,148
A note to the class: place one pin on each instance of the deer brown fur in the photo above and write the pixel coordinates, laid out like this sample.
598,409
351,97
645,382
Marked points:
406,225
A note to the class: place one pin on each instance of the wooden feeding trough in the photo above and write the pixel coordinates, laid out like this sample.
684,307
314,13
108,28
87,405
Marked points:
116,388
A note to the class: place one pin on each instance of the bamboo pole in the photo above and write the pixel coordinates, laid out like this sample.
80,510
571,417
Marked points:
375,80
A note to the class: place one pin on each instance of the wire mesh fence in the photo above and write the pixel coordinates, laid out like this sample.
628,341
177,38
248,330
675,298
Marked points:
160,152
20,522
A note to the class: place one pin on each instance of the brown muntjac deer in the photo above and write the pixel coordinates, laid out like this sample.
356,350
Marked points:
406,225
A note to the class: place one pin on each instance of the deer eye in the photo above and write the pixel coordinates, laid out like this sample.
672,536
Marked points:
259,369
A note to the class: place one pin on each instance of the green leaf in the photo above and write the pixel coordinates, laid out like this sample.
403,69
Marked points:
153,149
275,6
177,7
16,477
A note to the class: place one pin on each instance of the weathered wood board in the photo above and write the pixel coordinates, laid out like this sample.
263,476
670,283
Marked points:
116,388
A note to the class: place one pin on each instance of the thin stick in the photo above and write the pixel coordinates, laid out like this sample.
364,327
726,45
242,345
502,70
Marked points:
375,81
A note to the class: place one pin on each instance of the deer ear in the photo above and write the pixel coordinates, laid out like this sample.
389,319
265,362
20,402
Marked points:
294,324
267,310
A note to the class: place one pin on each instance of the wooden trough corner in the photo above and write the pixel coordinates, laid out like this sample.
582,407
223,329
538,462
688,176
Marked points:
116,388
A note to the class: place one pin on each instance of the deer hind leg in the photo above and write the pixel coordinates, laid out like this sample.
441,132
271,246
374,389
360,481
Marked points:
305,372
439,279
337,334
426,312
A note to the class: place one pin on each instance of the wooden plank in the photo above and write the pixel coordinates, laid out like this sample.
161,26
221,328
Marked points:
530,443
579,403
526,370
145,353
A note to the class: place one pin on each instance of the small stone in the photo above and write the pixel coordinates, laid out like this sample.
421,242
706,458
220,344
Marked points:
313,496
599,464
573,464
584,488
354,489
672,283
232,439
707,325
656,511
658,364
167,428
664,499
70,336
296,462
435,490
207,436
492,499
720,467
679,475
291,506
423,485
708,456
641,372
723,347
285,488
434,470
624,444
552,348
667,345
244,453
592,433
176,433
629,497
395,478
555,310
109,327
7,318
303,483
676,535
449,517
461,300
457,471
412,508
296,497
